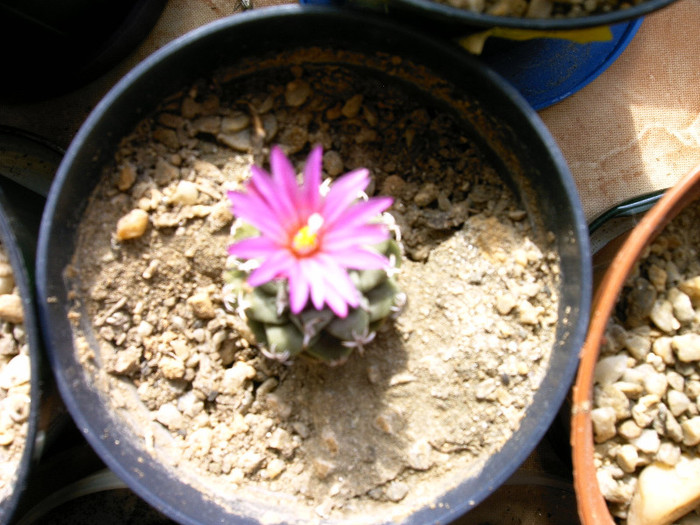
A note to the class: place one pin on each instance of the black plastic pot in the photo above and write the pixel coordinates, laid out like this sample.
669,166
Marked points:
51,48
20,213
456,21
506,125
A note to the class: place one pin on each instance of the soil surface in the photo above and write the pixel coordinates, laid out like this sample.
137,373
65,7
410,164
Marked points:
433,396
15,378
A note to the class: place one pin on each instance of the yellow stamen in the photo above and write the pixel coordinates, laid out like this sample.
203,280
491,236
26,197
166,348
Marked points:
305,240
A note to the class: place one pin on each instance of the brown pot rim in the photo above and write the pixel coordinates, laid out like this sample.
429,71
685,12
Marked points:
592,508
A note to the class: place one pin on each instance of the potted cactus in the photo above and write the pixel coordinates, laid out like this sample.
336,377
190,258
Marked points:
299,205
300,299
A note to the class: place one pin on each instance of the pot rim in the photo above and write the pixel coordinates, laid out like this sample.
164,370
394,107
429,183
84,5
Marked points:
456,17
593,509
103,434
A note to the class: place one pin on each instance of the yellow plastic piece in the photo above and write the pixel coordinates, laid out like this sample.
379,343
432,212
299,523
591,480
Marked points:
474,43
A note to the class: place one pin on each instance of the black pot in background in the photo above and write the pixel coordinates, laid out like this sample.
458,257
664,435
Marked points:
20,214
52,47
453,21
539,175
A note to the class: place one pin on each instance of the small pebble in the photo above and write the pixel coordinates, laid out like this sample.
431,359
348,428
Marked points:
170,416
691,431
132,225
687,347
11,308
352,106
186,192
297,92
603,423
15,373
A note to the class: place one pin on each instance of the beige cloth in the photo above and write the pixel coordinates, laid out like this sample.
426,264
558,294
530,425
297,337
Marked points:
634,129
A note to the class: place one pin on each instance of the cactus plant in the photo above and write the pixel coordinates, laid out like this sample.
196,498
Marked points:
319,334
313,267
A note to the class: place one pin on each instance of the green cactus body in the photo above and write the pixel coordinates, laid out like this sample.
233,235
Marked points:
320,334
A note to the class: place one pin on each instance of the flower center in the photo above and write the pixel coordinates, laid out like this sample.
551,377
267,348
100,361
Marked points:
305,241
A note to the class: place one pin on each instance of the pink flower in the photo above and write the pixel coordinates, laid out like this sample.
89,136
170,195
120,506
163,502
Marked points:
308,238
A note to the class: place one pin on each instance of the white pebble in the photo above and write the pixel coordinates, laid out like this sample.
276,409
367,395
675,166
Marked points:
16,372
691,431
665,493
662,316
396,491
603,419
199,441
677,402
17,406
656,384
419,455
611,489
637,345
687,347
144,329
682,305
186,192
169,416
627,457
675,380
189,404
11,308
645,410
611,396
668,453
631,390
648,441
250,461
628,429
662,348
610,369
235,377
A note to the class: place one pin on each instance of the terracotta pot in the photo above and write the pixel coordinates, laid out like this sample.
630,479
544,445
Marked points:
592,507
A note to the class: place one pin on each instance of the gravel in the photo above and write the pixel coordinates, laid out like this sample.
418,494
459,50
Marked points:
15,377
646,411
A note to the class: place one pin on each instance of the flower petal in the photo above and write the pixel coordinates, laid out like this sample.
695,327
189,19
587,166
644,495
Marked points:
277,265
298,288
360,212
337,279
313,274
337,304
343,192
253,248
261,184
361,259
254,211
312,179
366,235
284,178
